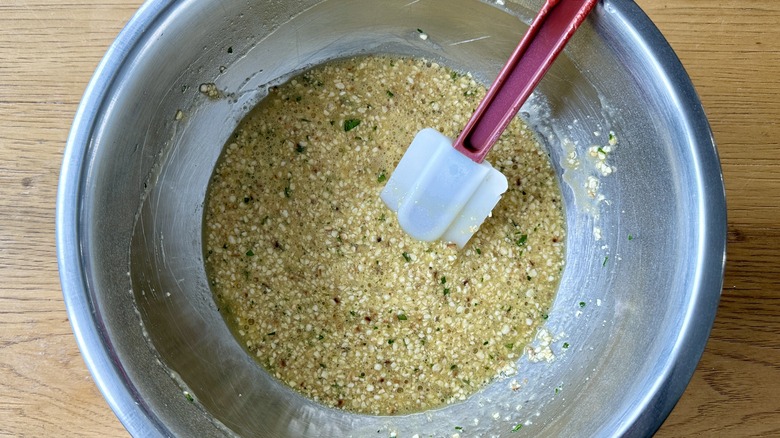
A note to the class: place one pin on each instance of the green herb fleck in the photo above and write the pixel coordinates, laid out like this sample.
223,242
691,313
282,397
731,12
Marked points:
459,429
521,240
353,313
250,253
390,93
453,367
287,191
382,177
565,345
485,343
582,303
320,337
479,251
601,151
612,138
443,279
630,237
271,334
605,261
545,316
509,346
401,317
189,396
420,30
406,256
351,124
382,218
300,148
390,341
517,427
446,291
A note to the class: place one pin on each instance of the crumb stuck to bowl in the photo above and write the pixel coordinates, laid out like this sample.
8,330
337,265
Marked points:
321,284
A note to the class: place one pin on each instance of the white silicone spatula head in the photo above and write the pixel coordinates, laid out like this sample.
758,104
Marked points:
438,192
442,190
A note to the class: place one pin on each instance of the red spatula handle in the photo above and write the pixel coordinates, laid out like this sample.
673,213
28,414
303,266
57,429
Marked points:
544,40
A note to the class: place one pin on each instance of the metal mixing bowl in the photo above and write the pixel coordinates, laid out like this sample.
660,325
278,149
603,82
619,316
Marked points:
145,141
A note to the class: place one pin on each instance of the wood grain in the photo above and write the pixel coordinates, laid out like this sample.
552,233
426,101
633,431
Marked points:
49,49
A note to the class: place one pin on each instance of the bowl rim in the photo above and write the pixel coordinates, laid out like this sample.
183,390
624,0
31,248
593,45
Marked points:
94,345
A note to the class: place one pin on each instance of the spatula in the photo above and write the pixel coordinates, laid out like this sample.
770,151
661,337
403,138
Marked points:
445,190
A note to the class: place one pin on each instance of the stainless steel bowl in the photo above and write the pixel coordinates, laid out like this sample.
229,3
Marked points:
130,211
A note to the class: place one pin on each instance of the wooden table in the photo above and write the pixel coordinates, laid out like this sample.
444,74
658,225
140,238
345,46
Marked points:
49,49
